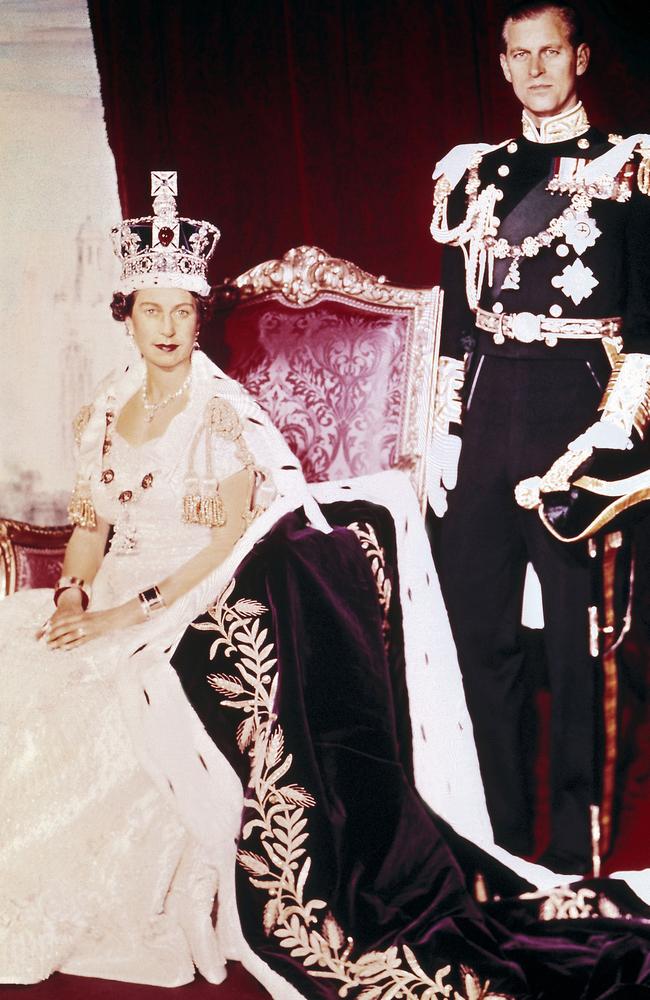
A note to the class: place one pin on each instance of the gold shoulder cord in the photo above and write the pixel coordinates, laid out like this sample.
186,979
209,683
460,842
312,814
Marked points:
470,233
81,512
203,503
439,227
80,423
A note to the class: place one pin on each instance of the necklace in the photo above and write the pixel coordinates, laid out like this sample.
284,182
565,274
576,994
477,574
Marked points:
150,409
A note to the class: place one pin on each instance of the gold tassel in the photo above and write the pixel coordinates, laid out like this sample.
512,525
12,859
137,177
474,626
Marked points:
199,508
191,501
80,509
191,508
212,511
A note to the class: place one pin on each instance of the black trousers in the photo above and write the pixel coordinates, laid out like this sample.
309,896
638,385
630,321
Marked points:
520,415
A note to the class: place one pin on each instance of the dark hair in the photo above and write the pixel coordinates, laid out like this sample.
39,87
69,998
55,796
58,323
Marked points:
525,9
122,305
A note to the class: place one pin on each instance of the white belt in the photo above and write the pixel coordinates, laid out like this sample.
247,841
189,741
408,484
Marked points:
528,328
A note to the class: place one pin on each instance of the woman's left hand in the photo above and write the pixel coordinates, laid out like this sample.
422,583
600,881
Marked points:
74,628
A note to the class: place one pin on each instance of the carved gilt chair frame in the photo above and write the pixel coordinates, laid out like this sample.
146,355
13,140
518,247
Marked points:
307,276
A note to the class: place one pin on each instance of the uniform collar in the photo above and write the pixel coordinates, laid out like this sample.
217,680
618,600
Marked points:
567,125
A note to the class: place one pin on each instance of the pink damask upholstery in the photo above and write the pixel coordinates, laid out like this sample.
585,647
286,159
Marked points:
30,556
340,360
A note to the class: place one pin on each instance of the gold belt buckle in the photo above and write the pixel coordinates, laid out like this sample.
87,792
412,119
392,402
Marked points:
527,327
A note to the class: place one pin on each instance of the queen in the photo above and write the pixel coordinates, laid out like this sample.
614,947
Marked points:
98,876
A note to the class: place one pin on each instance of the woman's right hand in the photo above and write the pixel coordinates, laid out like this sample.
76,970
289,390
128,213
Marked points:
70,602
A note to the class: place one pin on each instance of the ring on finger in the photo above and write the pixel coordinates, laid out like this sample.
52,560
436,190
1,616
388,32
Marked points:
81,632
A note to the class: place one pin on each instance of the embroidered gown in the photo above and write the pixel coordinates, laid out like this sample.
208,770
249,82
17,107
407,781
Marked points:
95,864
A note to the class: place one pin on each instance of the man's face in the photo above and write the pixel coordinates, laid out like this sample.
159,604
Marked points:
542,65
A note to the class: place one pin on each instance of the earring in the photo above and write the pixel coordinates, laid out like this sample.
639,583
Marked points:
129,332
196,346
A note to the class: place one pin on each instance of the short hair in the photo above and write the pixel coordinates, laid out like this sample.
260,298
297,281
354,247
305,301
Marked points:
525,9
122,305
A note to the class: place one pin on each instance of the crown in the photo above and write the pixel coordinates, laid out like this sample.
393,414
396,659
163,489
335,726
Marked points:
162,250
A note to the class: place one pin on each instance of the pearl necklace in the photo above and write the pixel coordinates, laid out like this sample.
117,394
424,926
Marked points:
150,409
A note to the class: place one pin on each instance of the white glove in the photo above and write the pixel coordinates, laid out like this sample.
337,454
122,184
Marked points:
442,470
444,448
602,434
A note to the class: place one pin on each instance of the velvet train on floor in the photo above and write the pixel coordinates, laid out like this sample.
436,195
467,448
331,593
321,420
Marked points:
346,883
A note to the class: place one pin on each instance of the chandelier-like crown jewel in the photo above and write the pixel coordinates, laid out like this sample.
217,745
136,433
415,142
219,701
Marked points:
163,250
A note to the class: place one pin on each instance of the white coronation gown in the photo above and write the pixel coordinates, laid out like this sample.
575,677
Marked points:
96,868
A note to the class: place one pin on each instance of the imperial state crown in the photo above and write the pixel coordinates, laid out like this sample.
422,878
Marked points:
163,250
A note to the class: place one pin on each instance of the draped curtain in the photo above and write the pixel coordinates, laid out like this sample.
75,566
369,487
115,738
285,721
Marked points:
319,121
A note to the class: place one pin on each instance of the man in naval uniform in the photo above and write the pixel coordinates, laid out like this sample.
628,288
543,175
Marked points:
546,276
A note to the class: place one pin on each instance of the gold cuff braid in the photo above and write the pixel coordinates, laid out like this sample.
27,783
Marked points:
626,401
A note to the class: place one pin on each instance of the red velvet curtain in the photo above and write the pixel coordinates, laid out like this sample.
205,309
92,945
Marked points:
319,121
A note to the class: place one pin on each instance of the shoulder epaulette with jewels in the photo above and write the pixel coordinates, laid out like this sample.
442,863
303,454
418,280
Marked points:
80,422
202,503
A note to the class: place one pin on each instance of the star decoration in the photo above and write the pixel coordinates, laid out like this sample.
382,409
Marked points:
581,232
576,281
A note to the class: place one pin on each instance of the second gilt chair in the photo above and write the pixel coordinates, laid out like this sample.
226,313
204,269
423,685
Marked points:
30,556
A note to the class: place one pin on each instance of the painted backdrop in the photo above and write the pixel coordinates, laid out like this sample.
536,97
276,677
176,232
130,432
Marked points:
57,203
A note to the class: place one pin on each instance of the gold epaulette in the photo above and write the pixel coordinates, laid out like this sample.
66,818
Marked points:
80,422
203,503
81,511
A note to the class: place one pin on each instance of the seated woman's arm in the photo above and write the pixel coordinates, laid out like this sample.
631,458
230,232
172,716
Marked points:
83,557
85,551
70,626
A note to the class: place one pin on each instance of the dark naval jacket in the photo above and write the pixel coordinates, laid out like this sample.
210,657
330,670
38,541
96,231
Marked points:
600,269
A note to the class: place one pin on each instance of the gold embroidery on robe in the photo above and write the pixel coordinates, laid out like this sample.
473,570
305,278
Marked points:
280,815
565,903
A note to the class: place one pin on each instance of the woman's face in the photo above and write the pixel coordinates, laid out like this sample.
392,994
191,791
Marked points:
164,323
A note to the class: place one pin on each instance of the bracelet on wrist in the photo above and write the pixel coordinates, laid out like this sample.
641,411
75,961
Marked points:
70,583
151,601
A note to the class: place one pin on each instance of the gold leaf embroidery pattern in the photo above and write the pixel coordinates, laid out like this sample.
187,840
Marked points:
377,559
279,814
565,903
